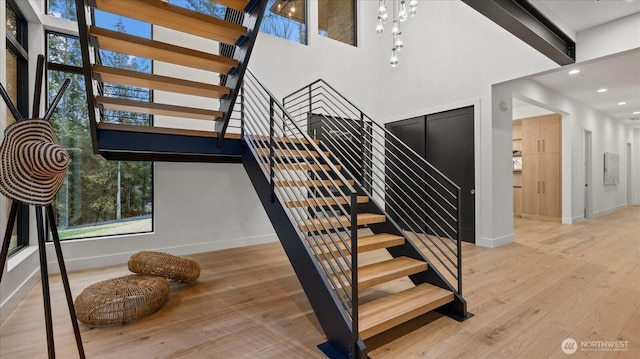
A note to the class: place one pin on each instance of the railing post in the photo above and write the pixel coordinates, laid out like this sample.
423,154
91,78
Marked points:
272,143
242,111
363,149
459,241
354,274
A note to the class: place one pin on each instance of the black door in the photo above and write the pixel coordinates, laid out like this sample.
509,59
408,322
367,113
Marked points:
450,149
404,194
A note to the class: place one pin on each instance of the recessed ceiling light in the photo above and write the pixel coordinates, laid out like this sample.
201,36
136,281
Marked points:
603,90
573,72
636,113
621,103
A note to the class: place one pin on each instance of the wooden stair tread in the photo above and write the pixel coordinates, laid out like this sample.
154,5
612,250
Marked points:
151,108
303,167
326,223
239,5
176,18
385,313
156,50
293,153
318,183
292,140
164,130
388,270
365,244
158,82
312,202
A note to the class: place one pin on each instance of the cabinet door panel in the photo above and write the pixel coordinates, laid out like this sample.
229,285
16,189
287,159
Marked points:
517,201
530,136
531,185
551,194
550,133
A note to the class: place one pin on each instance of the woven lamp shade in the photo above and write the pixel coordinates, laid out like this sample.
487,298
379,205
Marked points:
121,300
165,265
32,162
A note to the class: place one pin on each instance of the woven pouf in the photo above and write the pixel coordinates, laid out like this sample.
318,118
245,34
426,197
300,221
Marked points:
165,265
121,300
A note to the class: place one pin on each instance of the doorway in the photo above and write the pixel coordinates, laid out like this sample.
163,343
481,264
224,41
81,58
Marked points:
446,139
629,197
588,201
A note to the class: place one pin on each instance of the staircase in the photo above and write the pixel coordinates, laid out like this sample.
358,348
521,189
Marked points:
370,228
115,140
329,197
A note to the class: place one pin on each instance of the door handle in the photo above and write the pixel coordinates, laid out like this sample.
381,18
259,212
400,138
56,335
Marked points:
543,147
538,186
473,191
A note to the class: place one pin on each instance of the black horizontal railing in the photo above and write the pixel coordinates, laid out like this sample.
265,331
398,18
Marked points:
329,231
422,201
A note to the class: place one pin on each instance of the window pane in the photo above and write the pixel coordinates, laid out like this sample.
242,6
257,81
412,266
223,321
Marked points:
12,82
336,20
203,6
65,9
12,22
98,197
286,19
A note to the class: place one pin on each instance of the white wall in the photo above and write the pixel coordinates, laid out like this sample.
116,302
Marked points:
610,38
635,172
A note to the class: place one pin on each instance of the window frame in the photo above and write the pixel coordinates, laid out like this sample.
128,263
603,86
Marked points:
18,46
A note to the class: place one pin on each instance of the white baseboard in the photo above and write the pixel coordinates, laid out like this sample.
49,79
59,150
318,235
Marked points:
573,220
495,242
635,203
16,297
610,210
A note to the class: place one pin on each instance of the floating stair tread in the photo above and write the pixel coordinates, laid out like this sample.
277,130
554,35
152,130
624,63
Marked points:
303,167
164,130
151,108
326,223
239,5
365,244
158,82
293,153
385,313
156,50
293,140
312,202
318,183
176,18
388,270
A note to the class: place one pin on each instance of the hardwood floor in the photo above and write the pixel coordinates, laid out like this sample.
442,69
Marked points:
556,281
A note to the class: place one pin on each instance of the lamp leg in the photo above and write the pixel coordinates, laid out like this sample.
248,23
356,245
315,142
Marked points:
65,279
13,213
44,275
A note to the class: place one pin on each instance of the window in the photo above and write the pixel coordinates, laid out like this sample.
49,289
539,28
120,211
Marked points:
286,19
17,68
99,197
65,9
337,20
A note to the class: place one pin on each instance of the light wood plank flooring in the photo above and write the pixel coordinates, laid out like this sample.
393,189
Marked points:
556,281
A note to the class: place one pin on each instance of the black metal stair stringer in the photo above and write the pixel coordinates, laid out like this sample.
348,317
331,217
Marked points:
335,325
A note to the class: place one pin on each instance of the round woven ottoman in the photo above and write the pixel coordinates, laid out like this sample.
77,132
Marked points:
121,300
165,265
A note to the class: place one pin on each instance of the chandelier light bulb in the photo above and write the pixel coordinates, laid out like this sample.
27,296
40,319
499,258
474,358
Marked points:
402,15
397,42
379,26
396,28
382,11
413,7
394,58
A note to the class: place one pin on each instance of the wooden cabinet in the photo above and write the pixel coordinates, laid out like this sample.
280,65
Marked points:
541,167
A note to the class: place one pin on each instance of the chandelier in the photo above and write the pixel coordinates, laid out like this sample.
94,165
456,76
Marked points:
400,14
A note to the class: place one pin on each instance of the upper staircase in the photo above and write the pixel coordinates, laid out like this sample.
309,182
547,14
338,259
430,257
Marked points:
178,138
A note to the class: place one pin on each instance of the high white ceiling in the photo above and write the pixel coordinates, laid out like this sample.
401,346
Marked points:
620,74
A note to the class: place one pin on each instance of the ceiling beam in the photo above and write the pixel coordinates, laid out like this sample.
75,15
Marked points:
528,24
